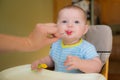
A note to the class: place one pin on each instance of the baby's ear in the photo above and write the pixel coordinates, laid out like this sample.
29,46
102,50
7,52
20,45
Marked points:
86,29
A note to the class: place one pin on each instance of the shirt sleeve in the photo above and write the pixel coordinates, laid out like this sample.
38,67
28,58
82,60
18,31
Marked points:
90,52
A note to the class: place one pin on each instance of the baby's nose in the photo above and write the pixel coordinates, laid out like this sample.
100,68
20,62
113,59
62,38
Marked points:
70,25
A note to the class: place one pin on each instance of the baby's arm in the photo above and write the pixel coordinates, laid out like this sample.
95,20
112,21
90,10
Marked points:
46,60
87,66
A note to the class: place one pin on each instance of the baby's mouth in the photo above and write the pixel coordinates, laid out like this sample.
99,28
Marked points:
68,32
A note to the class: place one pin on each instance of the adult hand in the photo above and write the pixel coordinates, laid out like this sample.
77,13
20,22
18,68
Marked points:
36,40
39,37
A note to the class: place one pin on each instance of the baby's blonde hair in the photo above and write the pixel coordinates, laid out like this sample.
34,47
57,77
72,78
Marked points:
75,7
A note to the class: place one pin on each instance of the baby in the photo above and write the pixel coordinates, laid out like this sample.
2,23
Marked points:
71,53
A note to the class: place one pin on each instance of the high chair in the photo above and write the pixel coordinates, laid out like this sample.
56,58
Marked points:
98,35
101,37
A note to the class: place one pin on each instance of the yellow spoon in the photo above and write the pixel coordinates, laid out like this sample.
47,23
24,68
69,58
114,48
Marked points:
42,66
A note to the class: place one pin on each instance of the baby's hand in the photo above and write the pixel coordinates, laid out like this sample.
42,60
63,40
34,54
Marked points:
37,66
40,67
72,62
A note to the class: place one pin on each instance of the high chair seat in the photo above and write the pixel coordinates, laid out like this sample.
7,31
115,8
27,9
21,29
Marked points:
24,72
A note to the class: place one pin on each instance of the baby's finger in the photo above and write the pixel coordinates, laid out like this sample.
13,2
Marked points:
69,57
40,69
34,68
70,67
67,63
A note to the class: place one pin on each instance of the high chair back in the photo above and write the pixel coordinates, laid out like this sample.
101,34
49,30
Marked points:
101,37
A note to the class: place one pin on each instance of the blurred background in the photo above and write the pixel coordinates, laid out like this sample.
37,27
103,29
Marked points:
19,17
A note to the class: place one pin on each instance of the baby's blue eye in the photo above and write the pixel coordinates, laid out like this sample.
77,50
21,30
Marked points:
77,22
64,21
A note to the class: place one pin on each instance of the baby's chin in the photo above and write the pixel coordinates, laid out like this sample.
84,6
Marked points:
68,38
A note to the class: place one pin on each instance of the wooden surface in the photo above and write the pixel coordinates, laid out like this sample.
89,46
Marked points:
58,4
114,70
109,11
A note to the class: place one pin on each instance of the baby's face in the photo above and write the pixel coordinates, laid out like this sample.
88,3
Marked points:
72,23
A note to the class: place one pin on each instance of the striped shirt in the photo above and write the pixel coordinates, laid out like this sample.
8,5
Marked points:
59,53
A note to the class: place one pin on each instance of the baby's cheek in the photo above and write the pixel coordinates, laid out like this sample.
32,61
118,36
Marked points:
78,34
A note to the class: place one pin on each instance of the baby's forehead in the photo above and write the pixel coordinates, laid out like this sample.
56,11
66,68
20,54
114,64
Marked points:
76,12
70,11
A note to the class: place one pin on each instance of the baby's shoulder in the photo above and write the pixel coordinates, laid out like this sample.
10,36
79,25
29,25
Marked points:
87,44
